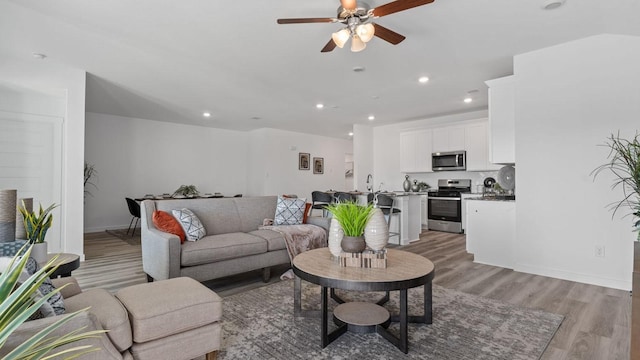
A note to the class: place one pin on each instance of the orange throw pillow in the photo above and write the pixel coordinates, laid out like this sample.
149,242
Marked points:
306,212
167,223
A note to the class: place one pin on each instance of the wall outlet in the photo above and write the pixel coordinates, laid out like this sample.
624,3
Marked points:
599,251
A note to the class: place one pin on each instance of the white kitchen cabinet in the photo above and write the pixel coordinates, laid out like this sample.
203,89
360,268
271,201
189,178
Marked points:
491,231
502,146
424,211
448,138
415,151
477,147
464,198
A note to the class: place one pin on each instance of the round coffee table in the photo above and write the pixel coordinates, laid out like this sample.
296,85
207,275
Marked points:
404,270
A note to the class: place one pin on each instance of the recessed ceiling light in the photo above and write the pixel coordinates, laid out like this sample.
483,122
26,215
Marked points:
351,134
256,118
423,79
358,69
468,99
371,117
552,4
319,106
39,56
206,114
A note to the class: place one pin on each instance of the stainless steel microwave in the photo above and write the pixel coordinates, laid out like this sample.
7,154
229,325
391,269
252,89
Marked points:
449,161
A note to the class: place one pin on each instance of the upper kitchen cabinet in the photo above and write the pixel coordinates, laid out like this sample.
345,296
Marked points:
415,151
476,144
448,138
502,148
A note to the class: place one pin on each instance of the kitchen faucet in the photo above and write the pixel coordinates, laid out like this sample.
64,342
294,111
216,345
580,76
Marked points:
370,183
380,187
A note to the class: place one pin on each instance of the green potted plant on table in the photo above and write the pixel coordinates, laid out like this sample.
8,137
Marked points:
353,219
18,302
36,226
186,191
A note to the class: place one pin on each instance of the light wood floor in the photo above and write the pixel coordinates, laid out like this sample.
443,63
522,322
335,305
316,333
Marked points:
597,319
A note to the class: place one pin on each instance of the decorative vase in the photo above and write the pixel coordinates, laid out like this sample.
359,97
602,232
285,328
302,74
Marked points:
353,244
376,233
415,187
8,215
335,237
406,185
39,252
21,232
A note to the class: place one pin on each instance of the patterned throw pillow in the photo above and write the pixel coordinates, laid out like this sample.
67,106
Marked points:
56,301
167,223
193,228
289,211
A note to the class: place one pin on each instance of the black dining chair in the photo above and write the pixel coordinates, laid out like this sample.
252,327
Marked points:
319,201
134,209
386,203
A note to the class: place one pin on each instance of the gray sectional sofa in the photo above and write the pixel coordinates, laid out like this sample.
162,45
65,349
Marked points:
233,243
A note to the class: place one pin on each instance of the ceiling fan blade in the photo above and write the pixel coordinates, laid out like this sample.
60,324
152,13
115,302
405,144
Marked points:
329,47
388,35
306,20
349,4
399,5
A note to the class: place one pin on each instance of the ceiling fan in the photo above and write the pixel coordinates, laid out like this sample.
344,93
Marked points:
360,28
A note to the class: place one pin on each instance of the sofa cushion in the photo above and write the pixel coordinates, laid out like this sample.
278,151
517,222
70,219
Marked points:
167,223
289,211
214,248
193,228
109,311
275,240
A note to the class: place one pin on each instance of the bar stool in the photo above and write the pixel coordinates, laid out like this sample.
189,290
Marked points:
319,201
386,204
343,197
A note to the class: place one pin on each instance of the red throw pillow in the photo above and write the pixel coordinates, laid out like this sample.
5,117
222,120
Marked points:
306,212
167,223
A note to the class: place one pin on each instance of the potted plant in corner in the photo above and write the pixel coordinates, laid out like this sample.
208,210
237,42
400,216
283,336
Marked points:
36,226
624,163
353,219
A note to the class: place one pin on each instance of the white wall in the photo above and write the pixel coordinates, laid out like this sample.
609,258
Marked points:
23,76
386,164
277,152
363,154
135,157
569,98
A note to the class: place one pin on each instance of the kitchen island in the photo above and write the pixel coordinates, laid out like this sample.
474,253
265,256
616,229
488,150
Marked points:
491,230
410,224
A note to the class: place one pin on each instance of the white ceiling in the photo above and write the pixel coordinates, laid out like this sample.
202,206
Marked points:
172,60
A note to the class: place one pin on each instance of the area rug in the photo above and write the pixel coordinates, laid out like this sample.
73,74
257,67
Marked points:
259,324
122,235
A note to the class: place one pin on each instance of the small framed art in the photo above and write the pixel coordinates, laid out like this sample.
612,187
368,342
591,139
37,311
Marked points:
304,160
318,165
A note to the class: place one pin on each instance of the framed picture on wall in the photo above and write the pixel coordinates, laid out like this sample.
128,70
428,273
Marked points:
304,161
318,165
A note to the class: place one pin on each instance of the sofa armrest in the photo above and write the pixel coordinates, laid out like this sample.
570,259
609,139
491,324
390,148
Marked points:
323,222
71,287
85,319
161,251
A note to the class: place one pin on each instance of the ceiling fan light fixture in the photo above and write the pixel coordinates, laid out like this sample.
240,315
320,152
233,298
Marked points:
357,44
341,37
365,32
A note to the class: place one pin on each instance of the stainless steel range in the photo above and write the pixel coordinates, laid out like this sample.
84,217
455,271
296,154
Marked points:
445,205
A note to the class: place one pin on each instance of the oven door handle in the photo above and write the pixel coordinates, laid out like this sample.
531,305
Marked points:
443,198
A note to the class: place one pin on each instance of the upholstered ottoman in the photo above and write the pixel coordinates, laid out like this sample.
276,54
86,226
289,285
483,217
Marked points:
173,319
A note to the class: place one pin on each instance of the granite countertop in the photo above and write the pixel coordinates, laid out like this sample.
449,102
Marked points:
490,198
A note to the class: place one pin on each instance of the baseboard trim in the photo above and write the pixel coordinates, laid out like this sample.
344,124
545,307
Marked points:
577,277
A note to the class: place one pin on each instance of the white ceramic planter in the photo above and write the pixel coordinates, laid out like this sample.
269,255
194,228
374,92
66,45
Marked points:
376,233
335,237
39,253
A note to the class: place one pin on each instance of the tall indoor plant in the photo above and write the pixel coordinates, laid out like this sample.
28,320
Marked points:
624,163
353,219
